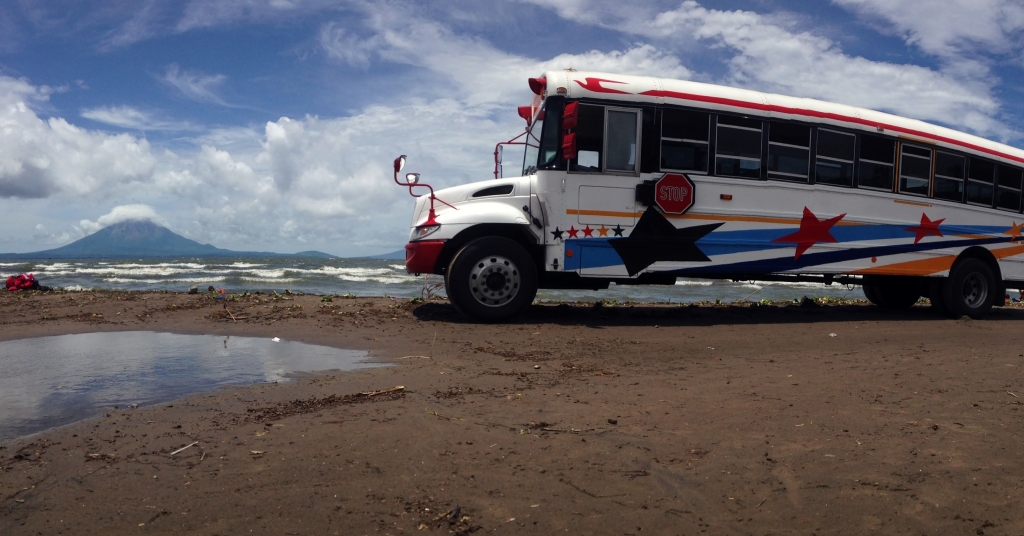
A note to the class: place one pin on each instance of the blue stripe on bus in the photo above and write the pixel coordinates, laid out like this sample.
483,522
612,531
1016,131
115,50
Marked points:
807,260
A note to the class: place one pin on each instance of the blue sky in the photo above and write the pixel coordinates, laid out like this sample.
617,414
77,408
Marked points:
270,124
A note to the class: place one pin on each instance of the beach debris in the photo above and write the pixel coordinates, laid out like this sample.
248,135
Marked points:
312,404
613,421
276,339
194,289
536,366
833,335
183,448
1011,394
257,452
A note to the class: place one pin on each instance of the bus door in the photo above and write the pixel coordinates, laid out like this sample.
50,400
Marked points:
600,186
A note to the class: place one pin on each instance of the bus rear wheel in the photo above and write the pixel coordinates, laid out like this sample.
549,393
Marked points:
893,293
969,289
491,279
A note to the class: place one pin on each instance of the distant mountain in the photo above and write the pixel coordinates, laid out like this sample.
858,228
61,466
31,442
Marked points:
143,238
393,256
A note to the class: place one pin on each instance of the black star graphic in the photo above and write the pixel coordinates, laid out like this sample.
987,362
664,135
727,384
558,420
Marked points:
557,233
655,239
618,230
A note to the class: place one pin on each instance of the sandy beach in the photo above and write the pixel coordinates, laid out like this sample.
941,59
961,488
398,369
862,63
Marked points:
615,419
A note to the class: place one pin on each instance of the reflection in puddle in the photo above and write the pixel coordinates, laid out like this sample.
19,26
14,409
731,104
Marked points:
52,381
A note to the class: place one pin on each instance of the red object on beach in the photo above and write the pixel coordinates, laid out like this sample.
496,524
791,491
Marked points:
21,282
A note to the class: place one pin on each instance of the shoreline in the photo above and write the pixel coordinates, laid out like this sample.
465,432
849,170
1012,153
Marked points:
576,418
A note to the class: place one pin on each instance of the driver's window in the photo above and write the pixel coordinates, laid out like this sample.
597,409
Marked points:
589,139
607,140
622,140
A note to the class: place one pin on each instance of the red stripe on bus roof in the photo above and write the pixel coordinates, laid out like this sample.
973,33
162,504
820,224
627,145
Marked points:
824,115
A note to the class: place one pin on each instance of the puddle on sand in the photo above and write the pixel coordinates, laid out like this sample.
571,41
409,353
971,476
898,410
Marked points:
53,381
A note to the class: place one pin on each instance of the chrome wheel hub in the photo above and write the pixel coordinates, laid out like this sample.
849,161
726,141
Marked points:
975,290
494,281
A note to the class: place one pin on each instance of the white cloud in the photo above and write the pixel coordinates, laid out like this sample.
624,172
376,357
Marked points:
340,44
132,118
768,54
119,214
948,28
208,13
39,158
195,85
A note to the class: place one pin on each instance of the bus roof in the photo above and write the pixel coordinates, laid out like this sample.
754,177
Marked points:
645,89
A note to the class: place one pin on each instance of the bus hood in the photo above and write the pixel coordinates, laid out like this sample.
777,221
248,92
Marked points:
496,193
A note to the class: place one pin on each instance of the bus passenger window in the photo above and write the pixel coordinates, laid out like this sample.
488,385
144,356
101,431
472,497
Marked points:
1008,191
979,183
788,151
875,166
739,147
684,140
949,177
623,135
835,158
589,139
915,169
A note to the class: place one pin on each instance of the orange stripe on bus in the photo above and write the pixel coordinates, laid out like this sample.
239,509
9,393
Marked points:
1007,252
914,203
919,267
712,217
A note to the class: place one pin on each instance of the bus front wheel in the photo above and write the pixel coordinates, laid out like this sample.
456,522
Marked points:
893,293
969,289
491,279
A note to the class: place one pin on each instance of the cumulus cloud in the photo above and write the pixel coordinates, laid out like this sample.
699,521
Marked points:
119,214
948,28
767,53
195,85
39,158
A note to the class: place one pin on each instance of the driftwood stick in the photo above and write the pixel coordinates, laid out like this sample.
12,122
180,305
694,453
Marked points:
384,391
185,447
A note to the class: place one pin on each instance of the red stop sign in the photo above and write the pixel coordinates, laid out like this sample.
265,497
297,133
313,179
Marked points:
674,193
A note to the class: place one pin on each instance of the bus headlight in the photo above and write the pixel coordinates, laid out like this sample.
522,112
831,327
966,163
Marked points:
424,231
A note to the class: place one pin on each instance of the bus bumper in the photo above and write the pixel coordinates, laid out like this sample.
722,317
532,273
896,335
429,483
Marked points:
421,256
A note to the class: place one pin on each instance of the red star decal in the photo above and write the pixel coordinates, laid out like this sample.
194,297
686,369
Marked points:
573,231
587,231
812,230
926,228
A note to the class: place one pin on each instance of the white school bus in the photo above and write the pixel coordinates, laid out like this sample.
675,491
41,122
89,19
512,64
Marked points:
639,180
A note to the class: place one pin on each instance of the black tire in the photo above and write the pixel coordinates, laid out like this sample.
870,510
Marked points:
871,293
491,279
970,289
893,293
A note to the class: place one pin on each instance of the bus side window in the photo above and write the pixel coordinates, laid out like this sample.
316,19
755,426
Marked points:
876,163
622,149
684,140
1008,191
834,163
915,169
738,151
589,139
980,181
949,177
789,150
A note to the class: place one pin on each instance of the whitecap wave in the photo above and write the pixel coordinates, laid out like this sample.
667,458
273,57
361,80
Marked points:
159,281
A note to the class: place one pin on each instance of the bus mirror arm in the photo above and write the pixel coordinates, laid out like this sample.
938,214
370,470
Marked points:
412,181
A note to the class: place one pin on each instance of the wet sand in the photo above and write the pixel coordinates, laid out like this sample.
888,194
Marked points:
576,419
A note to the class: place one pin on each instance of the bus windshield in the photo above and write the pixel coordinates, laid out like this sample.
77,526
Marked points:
542,142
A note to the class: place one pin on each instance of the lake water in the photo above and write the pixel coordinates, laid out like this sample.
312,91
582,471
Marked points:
365,277
53,381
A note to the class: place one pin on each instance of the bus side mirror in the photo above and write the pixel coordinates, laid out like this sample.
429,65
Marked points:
526,112
570,115
399,164
569,146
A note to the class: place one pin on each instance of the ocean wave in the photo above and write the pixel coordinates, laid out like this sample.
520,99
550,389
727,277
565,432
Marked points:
158,281
142,270
269,279
189,265
399,267
694,282
243,265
